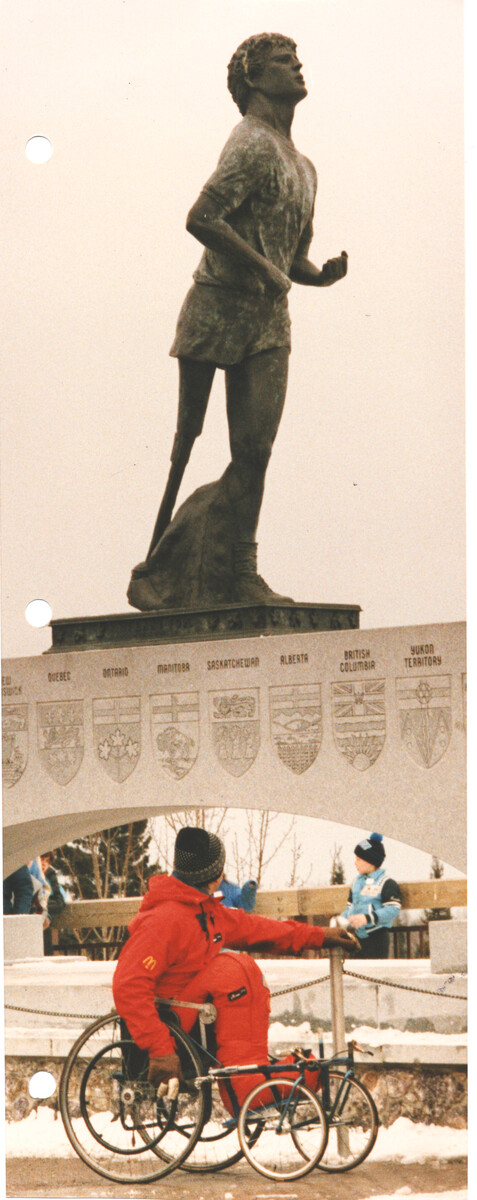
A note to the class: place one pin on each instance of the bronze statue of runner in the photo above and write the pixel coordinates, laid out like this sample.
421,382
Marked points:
254,217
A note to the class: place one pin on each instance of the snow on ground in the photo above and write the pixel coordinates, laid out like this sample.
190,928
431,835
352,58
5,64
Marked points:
377,1037
407,1142
366,1034
404,1141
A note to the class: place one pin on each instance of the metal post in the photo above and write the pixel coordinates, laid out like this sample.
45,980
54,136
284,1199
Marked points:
337,1001
338,1032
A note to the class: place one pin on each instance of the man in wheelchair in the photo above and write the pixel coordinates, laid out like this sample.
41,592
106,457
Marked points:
181,947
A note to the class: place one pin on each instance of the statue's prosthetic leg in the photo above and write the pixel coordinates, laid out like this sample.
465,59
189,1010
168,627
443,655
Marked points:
195,383
181,452
226,511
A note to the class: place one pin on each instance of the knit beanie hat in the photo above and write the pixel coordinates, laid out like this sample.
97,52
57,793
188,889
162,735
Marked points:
199,856
371,849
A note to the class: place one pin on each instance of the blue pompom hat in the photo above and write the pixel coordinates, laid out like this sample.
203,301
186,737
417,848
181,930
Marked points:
371,849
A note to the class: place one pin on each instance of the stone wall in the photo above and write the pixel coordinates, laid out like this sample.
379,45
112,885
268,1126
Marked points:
433,1095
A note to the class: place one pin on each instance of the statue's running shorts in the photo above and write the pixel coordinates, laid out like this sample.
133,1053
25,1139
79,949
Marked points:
224,326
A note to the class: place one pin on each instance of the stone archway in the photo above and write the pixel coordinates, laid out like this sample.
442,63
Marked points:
363,727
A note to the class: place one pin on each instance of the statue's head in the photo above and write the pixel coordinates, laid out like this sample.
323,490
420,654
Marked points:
248,62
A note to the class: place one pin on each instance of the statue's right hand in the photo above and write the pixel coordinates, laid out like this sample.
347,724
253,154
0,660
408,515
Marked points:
275,281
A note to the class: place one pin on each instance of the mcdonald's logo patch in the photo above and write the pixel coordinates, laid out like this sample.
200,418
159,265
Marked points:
149,963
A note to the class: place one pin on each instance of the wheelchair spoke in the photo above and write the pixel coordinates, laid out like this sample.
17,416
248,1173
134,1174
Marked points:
293,1129
353,1124
111,1114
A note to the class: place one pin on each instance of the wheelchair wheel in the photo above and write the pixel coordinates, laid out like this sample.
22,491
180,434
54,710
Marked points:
353,1124
218,1145
293,1129
111,1114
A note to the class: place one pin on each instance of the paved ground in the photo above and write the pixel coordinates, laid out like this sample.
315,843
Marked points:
65,1178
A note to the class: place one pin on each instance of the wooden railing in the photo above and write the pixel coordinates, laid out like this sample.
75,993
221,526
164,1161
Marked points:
316,905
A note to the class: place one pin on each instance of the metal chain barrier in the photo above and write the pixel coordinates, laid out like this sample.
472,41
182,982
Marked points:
206,1011
406,987
45,1012
295,987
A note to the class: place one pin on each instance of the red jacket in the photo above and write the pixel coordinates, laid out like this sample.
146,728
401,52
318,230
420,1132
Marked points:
177,931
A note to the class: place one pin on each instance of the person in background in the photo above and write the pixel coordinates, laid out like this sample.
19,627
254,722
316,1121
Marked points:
234,896
40,886
49,896
56,899
374,899
18,892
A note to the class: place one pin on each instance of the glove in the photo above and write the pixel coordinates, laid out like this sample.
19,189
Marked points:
166,1074
345,939
249,895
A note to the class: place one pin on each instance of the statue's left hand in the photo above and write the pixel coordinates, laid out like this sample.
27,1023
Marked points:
333,270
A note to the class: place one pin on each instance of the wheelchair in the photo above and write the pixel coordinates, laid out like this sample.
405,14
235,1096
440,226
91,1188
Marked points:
124,1131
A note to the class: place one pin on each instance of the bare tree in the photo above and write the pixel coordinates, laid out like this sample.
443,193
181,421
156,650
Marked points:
251,849
113,863
437,914
256,846
164,830
337,875
296,879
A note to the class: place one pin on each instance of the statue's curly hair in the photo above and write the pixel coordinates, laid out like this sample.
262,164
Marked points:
247,62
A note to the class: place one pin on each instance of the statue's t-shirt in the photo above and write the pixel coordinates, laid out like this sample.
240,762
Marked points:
266,190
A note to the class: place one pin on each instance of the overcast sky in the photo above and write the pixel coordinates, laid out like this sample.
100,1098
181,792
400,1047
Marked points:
364,500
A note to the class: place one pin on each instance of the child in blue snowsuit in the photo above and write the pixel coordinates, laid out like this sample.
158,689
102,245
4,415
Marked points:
234,896
374,899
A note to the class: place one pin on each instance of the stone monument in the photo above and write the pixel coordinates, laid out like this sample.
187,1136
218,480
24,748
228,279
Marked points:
363,727
254,217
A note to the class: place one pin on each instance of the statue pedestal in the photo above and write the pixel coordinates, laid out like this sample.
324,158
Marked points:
201,624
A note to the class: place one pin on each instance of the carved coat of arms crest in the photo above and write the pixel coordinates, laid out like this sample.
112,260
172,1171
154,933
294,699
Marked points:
235,728
359,720
175,731
425,717
296,724
61,738
117,734
14,742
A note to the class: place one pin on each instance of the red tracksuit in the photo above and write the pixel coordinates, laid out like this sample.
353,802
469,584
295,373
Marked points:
175,952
